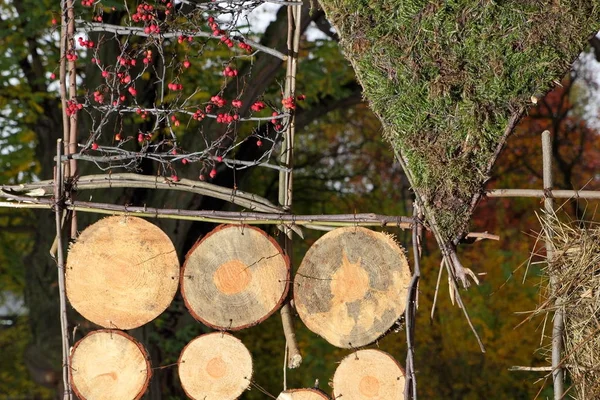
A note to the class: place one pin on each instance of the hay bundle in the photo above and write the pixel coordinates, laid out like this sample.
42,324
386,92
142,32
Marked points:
575,272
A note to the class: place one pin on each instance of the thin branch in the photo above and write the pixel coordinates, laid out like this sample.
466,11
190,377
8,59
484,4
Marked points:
138,31
136,155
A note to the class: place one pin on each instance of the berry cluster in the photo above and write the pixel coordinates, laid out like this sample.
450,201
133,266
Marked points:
73,107
289,103
198,115
85,43
98,97
71,56
144,12
257,106
142,113
228,71
227,118
175,86
218,101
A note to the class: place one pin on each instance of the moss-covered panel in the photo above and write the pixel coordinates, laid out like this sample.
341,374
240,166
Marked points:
445,77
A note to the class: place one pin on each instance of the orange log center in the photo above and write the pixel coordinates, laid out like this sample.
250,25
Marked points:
216,368
350,282
369,386
232,277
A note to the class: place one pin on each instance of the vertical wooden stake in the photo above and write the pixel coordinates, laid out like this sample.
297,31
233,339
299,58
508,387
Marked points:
558,323
60,260
285,177
410,388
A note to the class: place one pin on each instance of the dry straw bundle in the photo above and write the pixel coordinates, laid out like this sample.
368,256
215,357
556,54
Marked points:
574,286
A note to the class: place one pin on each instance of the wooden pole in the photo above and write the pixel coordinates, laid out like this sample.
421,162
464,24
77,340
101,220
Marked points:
558,323
58,209
410,389
285,177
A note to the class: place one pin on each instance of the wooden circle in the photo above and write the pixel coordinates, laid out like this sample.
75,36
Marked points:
351,286
369,375
215,366
122,272
302,394
235,277
111,365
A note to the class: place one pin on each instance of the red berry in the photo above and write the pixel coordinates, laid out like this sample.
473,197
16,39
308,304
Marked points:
213,173
94,146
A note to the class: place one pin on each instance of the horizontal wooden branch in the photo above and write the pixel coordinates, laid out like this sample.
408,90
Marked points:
557,194
139,31
130,180
530,369
229,217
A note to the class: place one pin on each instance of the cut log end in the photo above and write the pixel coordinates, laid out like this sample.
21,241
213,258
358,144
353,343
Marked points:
111,365
302,394
122,272
351,286
235,277
369,374
215,366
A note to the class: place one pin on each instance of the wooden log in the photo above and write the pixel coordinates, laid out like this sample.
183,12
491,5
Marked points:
351,286
302,394
235,277
111,365
122,272
215,366
367,375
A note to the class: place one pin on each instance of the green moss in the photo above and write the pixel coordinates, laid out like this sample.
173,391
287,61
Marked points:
446,76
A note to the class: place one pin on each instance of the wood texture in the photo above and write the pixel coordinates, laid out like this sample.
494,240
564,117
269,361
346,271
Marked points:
111,365
235,277
215,366
351,286
368,375
302,394
122,272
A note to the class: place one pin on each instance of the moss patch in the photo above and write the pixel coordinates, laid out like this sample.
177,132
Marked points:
446,76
